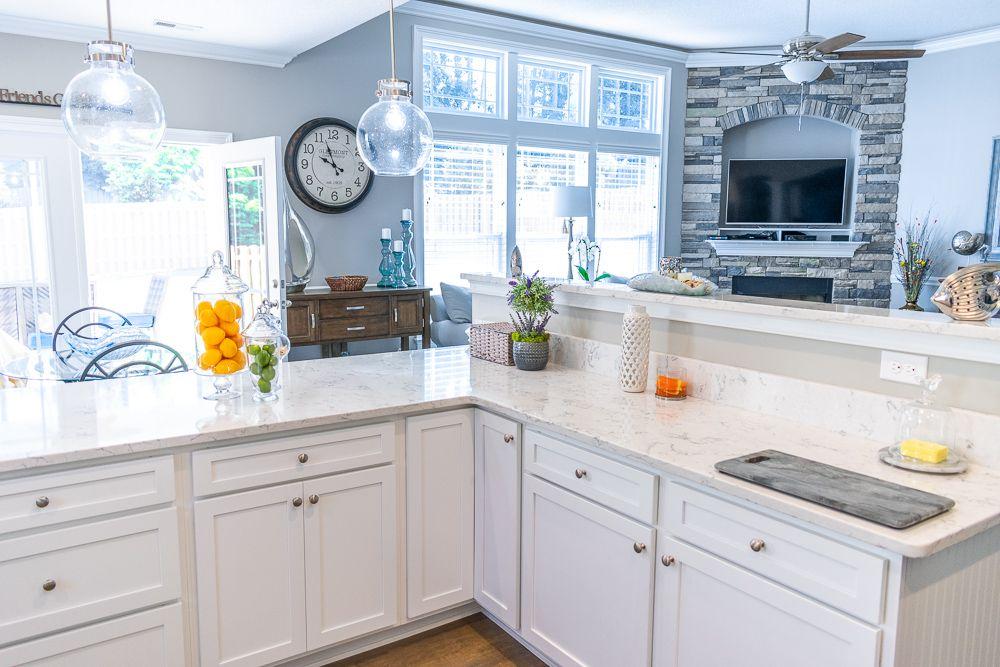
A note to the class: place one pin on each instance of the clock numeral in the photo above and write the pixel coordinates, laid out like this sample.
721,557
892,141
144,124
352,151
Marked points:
334,195
310,149
347,140
309,179
319,137
361,166
335,135
357,182
305,163
348,193
319,191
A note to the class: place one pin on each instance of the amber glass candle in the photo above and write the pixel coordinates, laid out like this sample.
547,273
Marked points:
671,382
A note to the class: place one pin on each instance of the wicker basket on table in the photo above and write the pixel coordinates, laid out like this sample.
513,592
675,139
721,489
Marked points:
347,283
492,342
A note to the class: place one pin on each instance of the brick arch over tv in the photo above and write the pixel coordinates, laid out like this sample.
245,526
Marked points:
868,97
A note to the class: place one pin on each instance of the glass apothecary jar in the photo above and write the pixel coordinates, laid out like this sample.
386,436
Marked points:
924,419
266,348
218,311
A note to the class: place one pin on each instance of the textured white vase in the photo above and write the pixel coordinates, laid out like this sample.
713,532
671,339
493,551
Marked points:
633,369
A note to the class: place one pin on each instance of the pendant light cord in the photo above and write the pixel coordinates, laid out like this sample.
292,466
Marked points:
392,37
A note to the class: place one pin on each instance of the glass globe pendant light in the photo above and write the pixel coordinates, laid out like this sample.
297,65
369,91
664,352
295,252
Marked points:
108,109
394,135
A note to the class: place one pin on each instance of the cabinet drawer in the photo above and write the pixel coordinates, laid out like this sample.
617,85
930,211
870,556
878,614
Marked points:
822,568
42,500
76,575
351,308
295,457
151,638
620,487
356,327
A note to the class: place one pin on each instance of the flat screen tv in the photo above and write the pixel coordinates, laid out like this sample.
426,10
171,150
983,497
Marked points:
786,192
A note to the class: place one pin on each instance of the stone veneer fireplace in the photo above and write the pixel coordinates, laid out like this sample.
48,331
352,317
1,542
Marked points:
868,97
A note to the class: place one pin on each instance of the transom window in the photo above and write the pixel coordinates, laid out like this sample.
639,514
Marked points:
550,91
461,80
625,101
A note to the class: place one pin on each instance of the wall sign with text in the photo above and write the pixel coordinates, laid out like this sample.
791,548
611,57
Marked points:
37,98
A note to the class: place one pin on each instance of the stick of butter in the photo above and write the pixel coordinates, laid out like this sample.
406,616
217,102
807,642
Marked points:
923,450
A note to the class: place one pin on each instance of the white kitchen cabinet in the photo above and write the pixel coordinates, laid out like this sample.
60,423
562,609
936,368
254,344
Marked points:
498,516
710,613
251,576
350,554
440,509
587,581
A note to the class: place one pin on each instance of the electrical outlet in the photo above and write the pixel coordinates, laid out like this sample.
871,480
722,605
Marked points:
901,367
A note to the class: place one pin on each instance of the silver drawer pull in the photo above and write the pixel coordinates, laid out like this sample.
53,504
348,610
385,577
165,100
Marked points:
296,502
395,315
355,328
354,308
638,547
756,544
49,585
303,457
509,438
668,560
42,502
313,499
580,473
312,320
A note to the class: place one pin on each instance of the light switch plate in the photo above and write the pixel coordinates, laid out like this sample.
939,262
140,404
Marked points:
902,367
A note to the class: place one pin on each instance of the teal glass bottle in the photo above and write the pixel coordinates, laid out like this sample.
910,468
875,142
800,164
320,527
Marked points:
399,278
386,268
409,259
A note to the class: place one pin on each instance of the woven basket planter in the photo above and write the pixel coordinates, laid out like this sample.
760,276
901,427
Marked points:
347,283
491,341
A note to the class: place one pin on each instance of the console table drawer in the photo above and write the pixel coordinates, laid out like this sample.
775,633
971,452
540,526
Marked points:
359,327
286,459
353,308
42,500
618,486
76,575
822,568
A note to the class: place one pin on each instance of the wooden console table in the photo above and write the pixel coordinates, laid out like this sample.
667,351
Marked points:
333,319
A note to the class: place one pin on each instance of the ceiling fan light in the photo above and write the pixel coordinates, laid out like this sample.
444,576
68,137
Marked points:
803,71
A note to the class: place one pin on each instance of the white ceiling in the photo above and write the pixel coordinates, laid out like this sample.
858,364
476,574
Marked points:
272,32
715,24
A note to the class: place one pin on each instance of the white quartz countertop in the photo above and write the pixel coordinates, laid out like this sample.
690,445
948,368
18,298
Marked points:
50,424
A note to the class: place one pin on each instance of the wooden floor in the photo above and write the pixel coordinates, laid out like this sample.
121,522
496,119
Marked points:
470,642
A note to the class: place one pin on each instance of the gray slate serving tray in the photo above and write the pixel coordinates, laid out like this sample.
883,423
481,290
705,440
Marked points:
889,504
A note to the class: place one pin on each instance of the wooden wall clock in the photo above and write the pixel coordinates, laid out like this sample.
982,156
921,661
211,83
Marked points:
324,168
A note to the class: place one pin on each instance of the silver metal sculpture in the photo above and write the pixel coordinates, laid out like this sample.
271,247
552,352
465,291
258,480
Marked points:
971,294
516,263
300,253
966,243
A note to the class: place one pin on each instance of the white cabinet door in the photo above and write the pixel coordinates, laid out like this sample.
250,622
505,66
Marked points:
498,516
350,533
710,613
587,582
439,511
251,576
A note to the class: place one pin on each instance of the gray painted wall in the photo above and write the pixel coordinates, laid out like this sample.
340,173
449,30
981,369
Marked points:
952,115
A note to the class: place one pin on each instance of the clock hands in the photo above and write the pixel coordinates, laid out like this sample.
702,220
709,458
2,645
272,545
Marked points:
330,161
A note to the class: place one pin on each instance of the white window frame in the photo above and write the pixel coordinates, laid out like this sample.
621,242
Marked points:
588,137
465,49
656,103
527,58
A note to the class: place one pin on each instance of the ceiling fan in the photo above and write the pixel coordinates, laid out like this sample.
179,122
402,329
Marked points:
805,57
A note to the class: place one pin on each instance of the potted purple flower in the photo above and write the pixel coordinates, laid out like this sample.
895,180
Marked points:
531,303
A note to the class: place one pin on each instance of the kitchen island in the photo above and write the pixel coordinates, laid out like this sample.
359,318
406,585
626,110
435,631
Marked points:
409,423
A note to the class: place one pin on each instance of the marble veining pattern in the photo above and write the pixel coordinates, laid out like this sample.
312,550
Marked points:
57,424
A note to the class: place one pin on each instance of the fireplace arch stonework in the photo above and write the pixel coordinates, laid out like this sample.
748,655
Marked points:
867,97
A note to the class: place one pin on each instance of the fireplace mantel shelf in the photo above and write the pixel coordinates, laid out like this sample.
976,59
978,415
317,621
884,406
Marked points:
734,248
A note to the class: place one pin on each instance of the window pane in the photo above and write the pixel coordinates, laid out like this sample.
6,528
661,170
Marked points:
25,306
461,81
626,102
550,92
465,221
150,232
539,233
627,224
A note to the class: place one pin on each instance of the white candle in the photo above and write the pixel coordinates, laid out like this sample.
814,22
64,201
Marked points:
407,214
386,233
397,245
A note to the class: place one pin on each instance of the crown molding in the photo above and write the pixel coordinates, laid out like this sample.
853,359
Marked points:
566,36
960,40
18,25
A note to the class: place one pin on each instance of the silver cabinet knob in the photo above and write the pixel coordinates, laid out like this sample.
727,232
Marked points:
638,547
580,473
49,585
42,501
508,438
313,499
756,544
667,560
296,502
303,457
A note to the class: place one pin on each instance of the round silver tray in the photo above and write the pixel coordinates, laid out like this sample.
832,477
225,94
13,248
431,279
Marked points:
950,466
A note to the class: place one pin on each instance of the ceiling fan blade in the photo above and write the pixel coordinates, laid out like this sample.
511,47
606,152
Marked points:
876,54
826,74
838,42
749,53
